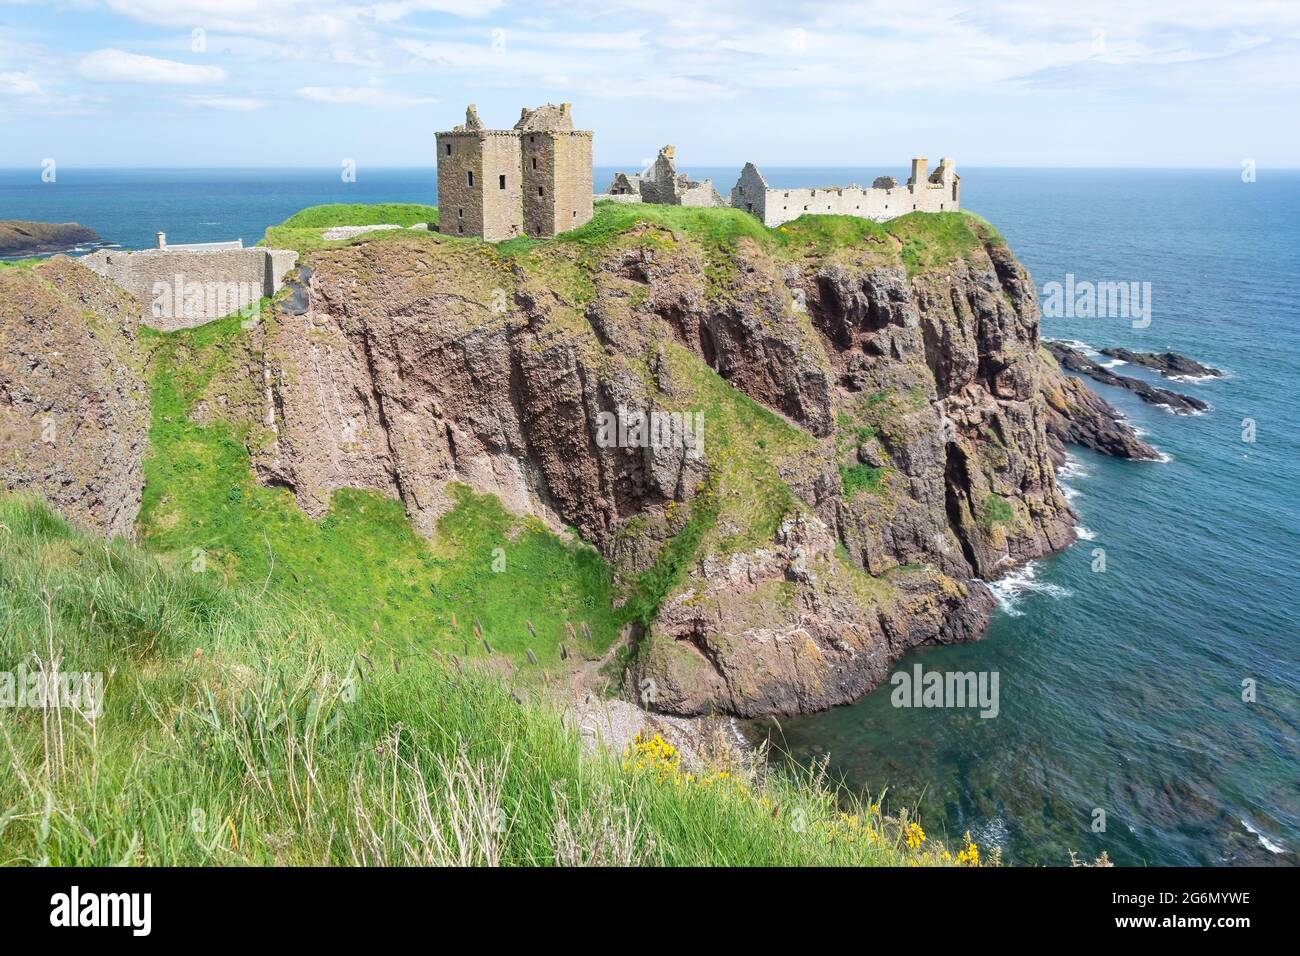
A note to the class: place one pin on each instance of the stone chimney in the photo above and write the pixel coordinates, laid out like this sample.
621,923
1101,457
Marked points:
161,238
918,171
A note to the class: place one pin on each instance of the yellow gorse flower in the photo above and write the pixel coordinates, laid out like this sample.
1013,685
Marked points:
655,754
914,835
971,855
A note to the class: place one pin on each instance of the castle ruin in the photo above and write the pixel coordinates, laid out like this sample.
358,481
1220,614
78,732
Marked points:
884,199
661,183
532,180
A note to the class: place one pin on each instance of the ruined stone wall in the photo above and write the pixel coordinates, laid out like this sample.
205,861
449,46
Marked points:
751,193
557,181
700,194
573,180
177,289
460,204
782,205
538,150
502,187
775,206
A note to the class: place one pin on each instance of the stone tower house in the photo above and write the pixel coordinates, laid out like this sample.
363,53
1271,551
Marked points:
532,180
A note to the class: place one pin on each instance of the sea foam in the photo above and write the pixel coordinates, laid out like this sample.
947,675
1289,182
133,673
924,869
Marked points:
1010,590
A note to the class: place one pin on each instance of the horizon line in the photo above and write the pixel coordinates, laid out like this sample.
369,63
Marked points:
433,166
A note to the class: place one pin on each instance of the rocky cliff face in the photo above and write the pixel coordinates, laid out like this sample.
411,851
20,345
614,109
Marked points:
880,425
876,433
74,412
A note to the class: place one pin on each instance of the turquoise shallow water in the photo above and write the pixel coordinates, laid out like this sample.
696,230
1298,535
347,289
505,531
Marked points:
1118,690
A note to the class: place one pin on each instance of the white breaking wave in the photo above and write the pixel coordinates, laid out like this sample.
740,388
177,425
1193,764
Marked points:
1193,379
1264,841
1069,493
1083,347
1073,468
1113,363
1085,534
1014,586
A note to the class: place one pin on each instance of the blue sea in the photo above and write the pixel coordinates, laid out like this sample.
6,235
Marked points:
1121,691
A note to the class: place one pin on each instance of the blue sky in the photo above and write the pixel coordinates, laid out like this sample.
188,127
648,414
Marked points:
314,82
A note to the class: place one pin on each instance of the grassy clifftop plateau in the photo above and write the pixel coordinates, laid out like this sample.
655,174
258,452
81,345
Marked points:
920,240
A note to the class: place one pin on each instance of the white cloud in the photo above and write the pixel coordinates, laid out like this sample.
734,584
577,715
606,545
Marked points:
118,66
290,19
360,95
20,85
234,104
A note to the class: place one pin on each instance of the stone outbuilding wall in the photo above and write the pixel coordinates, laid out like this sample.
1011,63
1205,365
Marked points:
883,200
179,288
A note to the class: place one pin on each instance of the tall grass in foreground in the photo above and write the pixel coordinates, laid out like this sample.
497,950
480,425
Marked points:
239,731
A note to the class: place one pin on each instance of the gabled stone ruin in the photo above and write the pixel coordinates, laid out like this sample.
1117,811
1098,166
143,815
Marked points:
883,200
661,183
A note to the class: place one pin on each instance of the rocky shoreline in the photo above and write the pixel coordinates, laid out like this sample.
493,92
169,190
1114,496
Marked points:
1168,364
19,238
1076,361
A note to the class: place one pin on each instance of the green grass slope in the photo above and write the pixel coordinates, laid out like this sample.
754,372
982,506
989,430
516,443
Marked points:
236,728
363,562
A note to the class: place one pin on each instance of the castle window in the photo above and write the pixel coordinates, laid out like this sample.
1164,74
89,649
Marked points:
534,162
449,149
502,180
532,139
540,191
469,177
460,227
